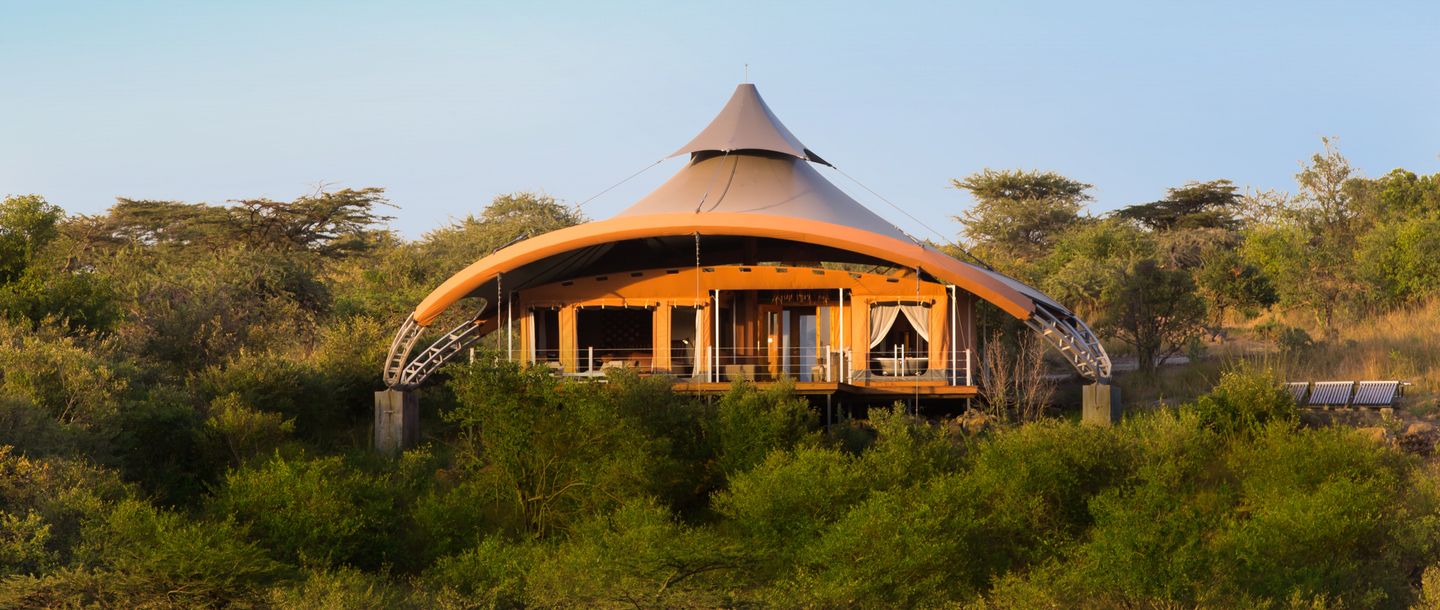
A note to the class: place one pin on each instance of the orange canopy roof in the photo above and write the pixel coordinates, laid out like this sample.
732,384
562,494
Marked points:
967,276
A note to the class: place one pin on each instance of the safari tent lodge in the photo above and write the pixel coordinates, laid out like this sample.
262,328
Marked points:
747,264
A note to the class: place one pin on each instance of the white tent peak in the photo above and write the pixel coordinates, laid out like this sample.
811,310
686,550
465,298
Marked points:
746,123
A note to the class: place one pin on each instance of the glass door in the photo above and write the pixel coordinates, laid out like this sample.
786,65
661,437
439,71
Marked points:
806,343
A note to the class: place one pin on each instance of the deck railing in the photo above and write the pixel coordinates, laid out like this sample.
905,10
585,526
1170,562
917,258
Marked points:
802,364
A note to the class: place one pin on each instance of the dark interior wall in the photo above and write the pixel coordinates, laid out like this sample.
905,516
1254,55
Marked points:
682,340
547,334
615,328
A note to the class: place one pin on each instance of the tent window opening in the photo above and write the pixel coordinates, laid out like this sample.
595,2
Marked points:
547,334
684,325
727,336
899,338
619,336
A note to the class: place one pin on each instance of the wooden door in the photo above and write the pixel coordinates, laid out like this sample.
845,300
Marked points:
774,326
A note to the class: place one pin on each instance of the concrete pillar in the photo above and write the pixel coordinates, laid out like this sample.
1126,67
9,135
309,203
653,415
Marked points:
1101,404
397,421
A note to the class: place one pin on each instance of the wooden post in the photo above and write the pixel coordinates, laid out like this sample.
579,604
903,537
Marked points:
569,342
660,359
829,417
397,421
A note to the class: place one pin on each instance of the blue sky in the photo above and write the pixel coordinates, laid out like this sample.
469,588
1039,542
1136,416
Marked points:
446,104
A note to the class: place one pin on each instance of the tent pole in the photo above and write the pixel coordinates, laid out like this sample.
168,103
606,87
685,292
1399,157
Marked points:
715,366
954,349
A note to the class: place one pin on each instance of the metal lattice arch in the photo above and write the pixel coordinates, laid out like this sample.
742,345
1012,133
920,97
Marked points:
749,198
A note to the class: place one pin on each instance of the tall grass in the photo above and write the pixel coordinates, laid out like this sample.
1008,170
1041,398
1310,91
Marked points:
1401,344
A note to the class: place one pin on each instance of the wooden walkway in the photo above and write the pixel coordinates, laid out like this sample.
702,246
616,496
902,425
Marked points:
889,389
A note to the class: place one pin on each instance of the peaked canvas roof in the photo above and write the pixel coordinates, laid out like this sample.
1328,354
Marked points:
746,123
748,183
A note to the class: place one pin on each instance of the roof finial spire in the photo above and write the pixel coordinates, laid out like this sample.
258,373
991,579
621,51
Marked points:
747,74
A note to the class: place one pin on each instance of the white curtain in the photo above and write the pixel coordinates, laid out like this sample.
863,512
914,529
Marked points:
695,349
919,317
882,317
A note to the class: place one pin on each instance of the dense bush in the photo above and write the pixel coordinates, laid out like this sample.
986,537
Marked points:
317,512
186,415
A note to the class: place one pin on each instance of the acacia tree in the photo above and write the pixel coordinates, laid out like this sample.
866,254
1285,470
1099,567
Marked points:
1324,200
1228,281
1197,205
1155,310
1308,247
1020,214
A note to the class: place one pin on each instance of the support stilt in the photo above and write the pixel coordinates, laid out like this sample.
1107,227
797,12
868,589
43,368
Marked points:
1101,404
828,413
397,421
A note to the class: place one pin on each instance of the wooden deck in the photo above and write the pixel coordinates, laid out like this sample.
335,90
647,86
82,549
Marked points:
893,389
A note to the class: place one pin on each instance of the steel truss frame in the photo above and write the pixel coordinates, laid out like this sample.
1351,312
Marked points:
401,373
1075,341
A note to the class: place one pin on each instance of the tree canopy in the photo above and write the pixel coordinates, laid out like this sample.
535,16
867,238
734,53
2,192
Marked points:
329,224
1020,214
1197,205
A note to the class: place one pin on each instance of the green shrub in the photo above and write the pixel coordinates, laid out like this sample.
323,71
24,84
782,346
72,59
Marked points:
1429,590
1048,472
917,547
1245,400
348,360
1151,538
1022,501
748,424
1324,513
270,383
680,469
24,544
245,432
192,312
490,575
79,301
1291,340
852,436
163,445
31,431
138,557
72,384
551,451
636,556
791,497
62,493
906,451
317,512
343,589
452,520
